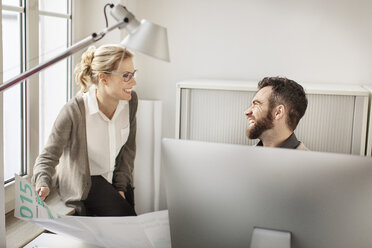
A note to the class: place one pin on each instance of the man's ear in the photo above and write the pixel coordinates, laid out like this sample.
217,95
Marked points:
279,112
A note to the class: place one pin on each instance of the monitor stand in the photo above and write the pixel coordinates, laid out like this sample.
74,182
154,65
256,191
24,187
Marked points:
268,238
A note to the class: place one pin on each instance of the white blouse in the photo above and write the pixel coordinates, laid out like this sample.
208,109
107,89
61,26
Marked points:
105,137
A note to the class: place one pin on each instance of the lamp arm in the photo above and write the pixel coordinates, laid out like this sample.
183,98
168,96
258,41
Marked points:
69,51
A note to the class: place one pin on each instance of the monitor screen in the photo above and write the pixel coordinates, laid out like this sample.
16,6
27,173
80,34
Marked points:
218,193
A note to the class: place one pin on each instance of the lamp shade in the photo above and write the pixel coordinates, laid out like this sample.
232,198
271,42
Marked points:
150,39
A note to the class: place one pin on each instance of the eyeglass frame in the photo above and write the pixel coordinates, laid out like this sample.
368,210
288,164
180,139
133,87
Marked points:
131,74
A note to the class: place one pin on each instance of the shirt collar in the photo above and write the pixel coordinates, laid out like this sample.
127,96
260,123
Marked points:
93,104
92,100
292,142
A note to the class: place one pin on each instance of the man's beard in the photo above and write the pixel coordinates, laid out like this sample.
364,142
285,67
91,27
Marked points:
260,126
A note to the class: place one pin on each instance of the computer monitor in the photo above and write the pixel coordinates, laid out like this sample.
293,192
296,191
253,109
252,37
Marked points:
218,193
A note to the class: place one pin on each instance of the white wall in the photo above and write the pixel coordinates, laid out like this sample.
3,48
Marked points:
308,41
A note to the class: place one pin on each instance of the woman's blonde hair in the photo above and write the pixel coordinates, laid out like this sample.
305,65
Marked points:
95,60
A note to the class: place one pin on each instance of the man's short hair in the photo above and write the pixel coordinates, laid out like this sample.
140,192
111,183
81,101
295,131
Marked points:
288,93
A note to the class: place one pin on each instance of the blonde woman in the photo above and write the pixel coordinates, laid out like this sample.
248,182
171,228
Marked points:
93,138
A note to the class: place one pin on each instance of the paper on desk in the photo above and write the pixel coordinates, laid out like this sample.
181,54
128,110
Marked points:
48,240
147,230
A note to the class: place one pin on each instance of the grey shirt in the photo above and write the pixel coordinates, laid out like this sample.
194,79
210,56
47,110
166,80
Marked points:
67,148
291,143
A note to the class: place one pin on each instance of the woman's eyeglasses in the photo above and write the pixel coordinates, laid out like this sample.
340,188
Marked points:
126,75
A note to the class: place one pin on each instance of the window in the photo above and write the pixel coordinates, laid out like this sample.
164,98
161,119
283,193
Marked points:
54,85
13,122
28,118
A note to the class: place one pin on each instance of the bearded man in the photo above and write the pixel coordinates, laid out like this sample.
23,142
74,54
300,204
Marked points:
276,110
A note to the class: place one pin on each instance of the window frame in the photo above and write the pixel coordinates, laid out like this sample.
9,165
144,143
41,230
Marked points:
9,186
20,11
30,89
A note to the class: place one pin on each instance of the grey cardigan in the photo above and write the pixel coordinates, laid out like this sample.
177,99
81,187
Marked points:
67,148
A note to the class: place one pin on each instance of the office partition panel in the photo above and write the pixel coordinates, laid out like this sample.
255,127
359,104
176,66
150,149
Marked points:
213,110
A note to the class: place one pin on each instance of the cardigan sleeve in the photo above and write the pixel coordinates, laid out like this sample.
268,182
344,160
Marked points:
48,159
124,164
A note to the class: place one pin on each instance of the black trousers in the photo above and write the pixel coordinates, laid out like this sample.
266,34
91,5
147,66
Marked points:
104,200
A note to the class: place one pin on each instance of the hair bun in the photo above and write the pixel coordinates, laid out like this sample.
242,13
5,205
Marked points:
87,58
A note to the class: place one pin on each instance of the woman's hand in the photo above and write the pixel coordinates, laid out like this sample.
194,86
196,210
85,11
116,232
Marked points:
43,192
122,194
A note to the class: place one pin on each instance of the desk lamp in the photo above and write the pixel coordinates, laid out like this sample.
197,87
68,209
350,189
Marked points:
144,37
